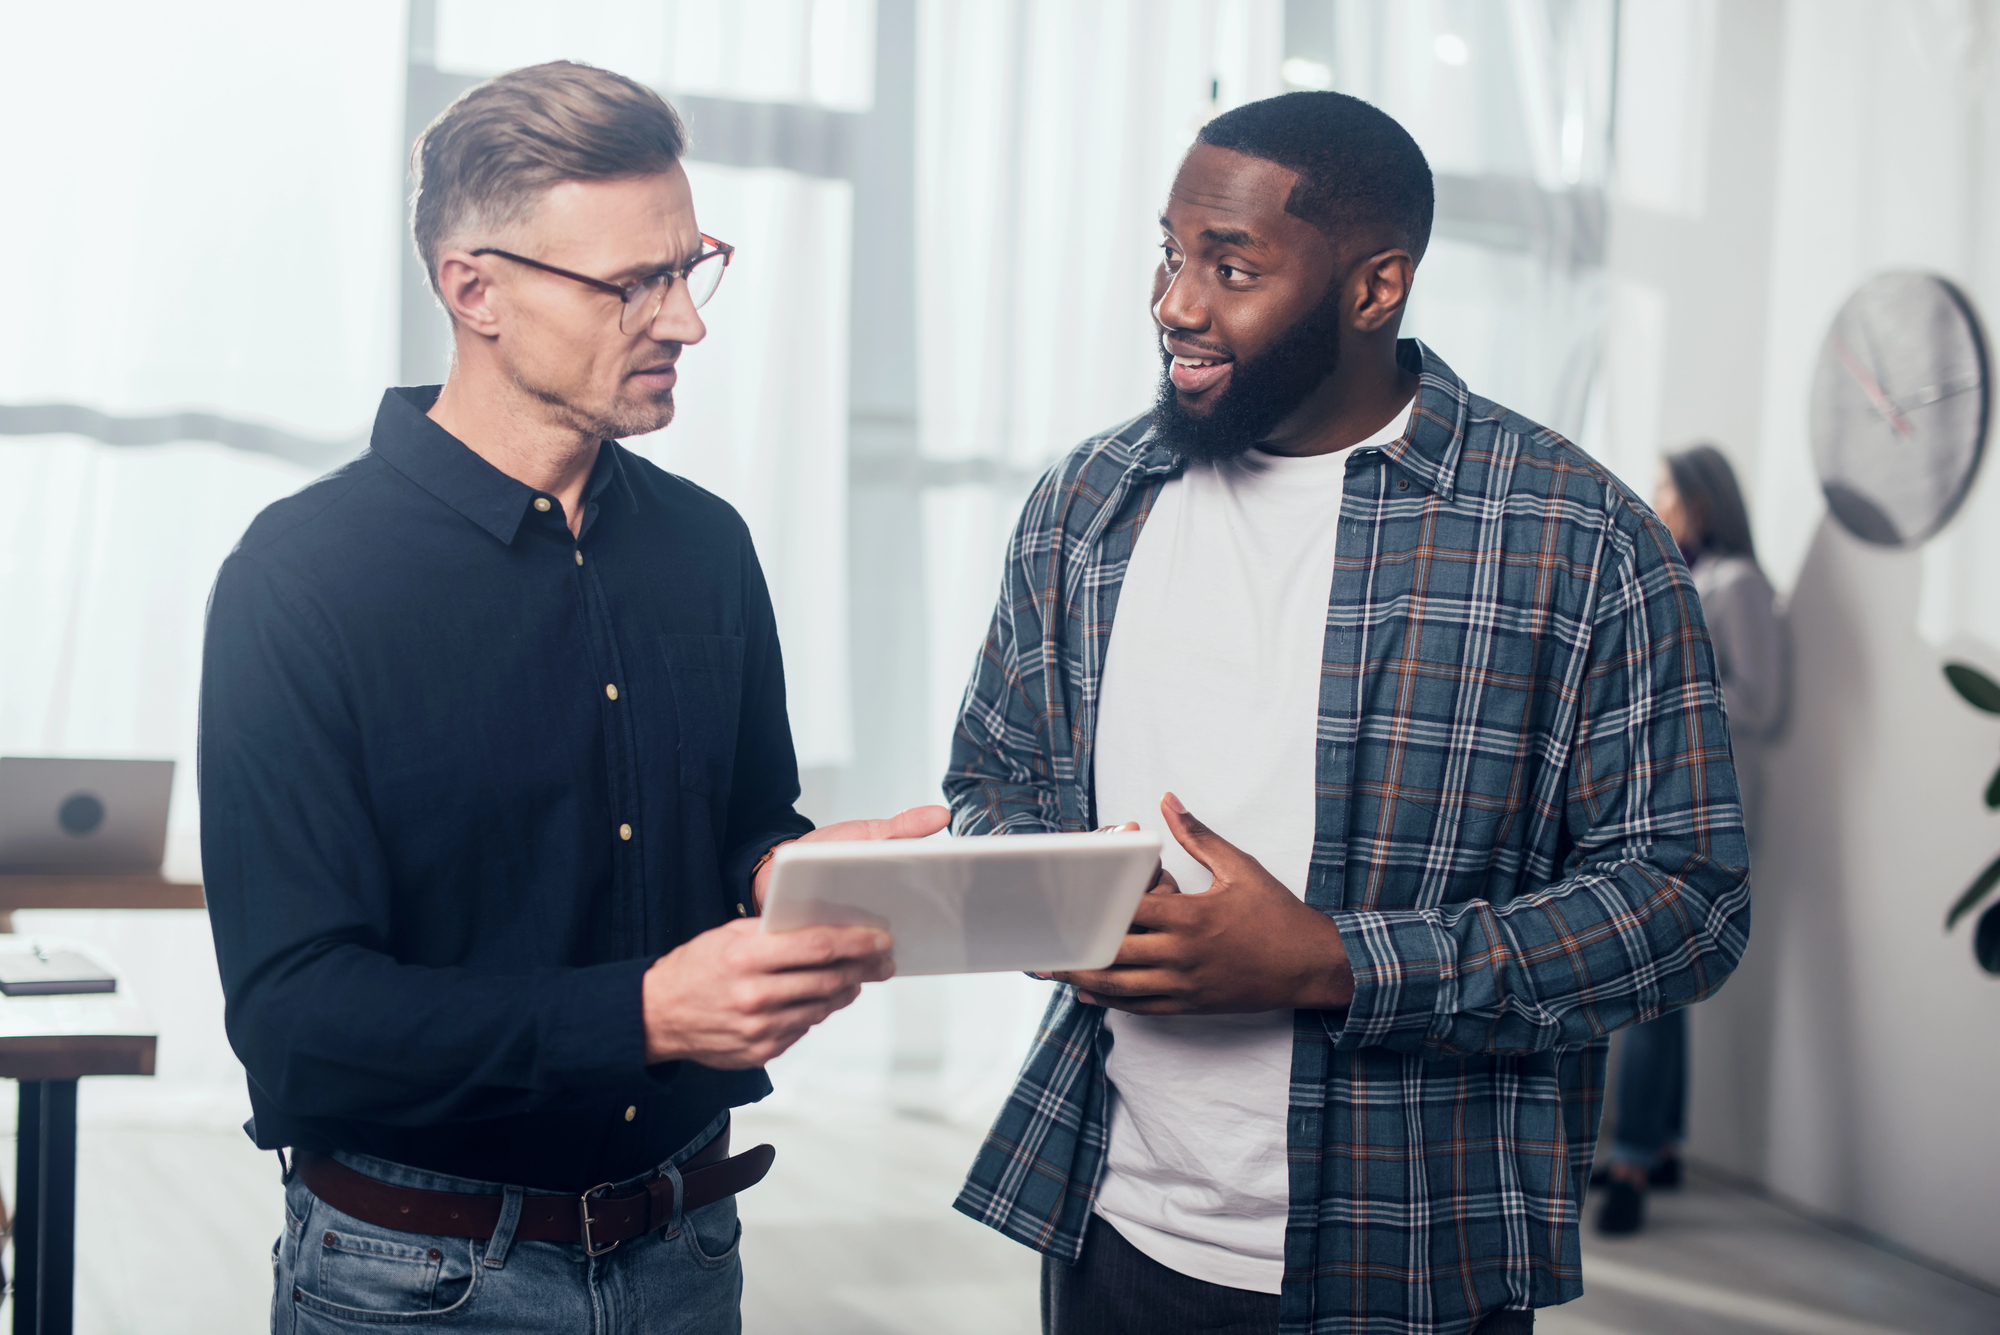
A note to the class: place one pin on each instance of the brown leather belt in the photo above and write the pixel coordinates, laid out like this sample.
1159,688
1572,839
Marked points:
598,1222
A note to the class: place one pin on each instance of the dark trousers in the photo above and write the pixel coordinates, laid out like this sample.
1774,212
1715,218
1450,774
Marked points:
1116,1289
1652,1090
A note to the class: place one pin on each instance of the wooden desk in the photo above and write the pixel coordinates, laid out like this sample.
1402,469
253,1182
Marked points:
48,1044
142,890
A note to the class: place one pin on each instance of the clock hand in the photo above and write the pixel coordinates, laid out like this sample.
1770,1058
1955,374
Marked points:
1890,414
1929,394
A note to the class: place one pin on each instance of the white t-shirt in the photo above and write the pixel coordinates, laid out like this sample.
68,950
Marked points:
1211,691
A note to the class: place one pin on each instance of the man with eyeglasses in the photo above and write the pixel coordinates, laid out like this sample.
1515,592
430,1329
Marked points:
494,755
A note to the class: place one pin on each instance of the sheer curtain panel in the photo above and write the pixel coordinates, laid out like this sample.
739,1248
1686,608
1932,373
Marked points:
203,220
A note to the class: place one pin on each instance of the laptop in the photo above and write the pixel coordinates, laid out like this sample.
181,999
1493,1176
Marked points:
61,815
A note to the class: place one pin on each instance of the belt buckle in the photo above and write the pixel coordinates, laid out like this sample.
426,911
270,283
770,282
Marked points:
583,1215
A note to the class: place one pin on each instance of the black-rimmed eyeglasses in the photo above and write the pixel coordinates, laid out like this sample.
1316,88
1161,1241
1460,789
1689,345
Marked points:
643,297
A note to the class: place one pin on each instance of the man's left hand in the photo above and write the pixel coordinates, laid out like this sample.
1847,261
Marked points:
1246,944
916,823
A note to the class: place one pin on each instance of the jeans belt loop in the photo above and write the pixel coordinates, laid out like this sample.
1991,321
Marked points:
503,1232
673,1175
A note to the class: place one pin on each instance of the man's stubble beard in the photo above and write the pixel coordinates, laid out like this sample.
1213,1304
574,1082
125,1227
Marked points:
615,422
1262,392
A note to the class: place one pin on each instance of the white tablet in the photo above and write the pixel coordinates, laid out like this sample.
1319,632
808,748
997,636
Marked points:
1034,902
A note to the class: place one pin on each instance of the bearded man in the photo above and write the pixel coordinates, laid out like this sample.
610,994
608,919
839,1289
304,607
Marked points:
1423,695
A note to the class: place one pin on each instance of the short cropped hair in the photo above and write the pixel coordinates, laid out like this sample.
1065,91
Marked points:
489,156
1357,167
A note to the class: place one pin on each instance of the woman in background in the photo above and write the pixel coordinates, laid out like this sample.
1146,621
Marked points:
1698,500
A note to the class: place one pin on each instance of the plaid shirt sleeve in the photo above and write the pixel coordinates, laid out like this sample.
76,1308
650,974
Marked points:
1000,780
1652,909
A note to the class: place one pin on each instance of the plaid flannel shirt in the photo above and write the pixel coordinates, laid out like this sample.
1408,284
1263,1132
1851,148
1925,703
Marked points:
1527,830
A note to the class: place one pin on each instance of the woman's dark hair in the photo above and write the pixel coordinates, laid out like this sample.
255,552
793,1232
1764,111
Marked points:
1707,484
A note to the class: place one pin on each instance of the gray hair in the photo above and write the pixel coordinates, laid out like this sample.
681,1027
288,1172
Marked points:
488,158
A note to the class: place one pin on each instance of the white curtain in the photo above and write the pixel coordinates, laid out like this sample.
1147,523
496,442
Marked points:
812,52
1047,135
1511,104
203,214
202,207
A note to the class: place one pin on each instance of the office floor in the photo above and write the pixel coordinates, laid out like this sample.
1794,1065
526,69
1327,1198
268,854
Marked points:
852,1235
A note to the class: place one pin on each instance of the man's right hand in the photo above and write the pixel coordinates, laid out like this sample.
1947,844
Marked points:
734,998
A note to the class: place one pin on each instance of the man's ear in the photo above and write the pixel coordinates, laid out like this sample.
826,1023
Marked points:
1383,288
467,293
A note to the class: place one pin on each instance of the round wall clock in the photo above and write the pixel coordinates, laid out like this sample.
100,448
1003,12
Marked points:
1899,408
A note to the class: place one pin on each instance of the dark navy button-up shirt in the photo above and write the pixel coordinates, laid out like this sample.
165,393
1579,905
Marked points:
464,777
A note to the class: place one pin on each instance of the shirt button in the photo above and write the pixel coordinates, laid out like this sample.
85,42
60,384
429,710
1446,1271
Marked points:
610,692
631,1112
579,558
542,504
742,912
624,832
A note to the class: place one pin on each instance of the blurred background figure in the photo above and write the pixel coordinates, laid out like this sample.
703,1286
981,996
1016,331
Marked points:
1697,498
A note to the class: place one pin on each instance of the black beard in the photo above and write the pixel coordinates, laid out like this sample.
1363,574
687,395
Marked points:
1262,392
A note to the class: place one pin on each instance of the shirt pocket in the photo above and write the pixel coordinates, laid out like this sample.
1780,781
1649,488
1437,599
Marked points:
707,676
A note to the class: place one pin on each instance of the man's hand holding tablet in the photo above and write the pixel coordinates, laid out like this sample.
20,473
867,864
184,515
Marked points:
736,997
1244,945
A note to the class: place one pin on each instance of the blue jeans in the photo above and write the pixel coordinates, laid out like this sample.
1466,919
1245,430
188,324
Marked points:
1652,1090
334,1273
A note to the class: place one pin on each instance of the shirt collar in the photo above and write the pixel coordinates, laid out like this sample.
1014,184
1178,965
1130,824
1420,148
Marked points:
1432,443
439,462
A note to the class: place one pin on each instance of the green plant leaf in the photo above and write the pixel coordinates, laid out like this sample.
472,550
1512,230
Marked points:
1980,691
1993,791
1973,894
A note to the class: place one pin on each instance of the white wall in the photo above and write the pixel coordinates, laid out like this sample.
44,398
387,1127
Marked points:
1849,1065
